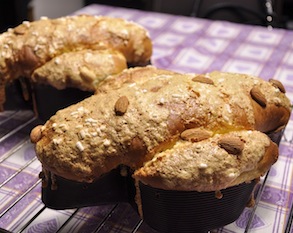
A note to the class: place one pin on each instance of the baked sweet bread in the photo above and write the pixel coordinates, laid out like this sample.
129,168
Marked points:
84,69
218,162
204,132
30,45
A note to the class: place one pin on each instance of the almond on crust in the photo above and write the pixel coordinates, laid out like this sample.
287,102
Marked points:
84,69
205,166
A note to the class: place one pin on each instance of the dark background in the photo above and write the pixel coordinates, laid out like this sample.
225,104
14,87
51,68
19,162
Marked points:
13,12
240,11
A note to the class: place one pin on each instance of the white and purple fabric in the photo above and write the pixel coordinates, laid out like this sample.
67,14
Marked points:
182,44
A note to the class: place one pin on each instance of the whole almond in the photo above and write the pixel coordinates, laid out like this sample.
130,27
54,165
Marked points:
203,79
195,135
233,145
27,57
121,106
87,74
277,84
36,134
258,96
20,30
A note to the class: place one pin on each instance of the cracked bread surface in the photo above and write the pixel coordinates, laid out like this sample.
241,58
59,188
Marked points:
84,69
88,139
32,44
205,166
43,49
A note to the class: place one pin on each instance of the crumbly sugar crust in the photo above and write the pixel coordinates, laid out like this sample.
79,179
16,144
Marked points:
43,50
158,129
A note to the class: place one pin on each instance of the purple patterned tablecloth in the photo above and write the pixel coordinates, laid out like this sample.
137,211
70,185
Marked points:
183,44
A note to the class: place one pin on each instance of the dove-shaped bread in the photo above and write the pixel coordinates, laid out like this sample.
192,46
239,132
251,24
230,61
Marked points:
176,131
47,43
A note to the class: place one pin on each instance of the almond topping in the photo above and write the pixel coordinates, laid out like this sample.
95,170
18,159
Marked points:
36,134
278,84
203,79
156,89
87,74
121,105
258,96
195,135
233,145
20,30
28,58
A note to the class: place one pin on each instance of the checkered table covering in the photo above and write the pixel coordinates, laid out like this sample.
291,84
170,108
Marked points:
182,44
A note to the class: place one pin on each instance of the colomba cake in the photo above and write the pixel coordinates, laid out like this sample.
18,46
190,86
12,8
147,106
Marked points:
205,132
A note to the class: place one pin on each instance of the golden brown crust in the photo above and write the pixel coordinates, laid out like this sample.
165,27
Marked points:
205,166
84,69
88,139
36,134
32,44
270,119
36,48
